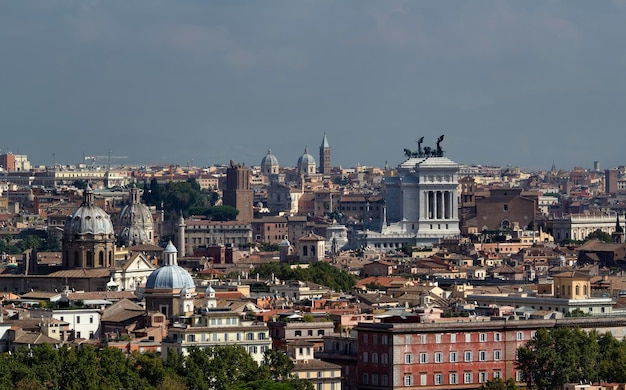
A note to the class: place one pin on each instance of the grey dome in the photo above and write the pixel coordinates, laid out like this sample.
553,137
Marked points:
170,277
137,214
269,159
134,235
306,159
136,220
88,219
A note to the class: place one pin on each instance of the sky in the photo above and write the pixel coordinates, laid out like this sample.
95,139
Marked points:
523,83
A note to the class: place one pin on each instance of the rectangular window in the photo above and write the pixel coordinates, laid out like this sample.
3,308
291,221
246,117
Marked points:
497,374
453,378
408,380
374,357
453,357
438,338
384,380
482,356
408,358
423,379
366,379
91,319
482,377
438,379
483,337
497,355
365,357
467,356
374,379
423,358
408,339
374,337
467,377
468,337
497,337
453,338
383,358
520,336
78,319
438,357
422,339
385,339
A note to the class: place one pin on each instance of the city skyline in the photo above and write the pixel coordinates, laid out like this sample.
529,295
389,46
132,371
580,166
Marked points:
508,83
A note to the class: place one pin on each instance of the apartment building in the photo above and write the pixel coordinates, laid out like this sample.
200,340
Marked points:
406,353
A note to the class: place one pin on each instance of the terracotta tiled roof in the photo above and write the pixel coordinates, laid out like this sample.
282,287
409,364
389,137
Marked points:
34,338
122,311
82,273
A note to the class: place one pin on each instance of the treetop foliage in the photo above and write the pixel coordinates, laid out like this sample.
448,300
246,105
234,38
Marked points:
320,273
558,356
219,368
188,198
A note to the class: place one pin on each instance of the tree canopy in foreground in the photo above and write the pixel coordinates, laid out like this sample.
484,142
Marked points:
558,356
219,368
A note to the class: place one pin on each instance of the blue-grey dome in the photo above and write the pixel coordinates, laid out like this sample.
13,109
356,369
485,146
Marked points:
306,163
170,277
306,158
269,159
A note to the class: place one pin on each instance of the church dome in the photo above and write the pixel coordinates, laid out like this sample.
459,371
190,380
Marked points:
133,235
136,219
269,164
306,163
88,219
269,159
170,277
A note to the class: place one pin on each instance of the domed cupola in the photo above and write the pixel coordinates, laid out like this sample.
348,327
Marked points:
88,219
269,164
306,164
88,236
170,288
170,276
136,220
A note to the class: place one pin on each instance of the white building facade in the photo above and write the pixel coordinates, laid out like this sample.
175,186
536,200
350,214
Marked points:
421,204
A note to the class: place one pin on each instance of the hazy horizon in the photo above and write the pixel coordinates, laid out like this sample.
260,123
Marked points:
519,83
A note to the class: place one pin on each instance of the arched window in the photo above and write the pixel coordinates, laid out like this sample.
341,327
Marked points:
585,290
577,288
101,259
89,259
312,250
305,250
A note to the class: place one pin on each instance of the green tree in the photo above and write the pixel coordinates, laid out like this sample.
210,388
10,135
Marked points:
217,213
599,235
558,356
499,384
278,363
321,273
